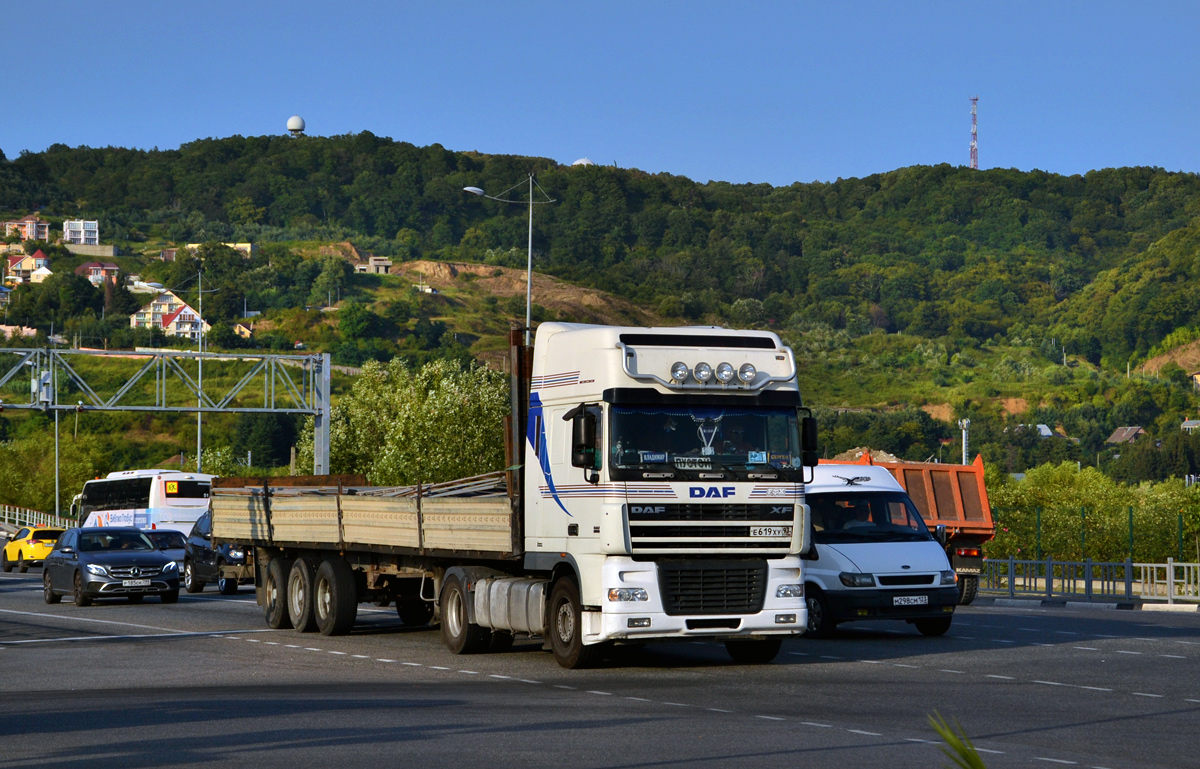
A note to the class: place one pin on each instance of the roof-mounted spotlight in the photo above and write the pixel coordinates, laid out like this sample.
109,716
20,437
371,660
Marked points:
747,372
703,372
724,373
679,371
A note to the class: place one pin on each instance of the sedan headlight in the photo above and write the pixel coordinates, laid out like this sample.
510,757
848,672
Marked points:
949,578
97,570
172,566
627,594
789,591
851,579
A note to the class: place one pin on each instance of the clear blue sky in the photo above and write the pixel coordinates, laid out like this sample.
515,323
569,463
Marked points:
771,92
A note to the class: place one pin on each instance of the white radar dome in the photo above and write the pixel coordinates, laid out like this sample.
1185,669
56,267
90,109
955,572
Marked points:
295,124
583,162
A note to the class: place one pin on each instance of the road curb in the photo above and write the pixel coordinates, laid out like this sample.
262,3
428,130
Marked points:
1062,603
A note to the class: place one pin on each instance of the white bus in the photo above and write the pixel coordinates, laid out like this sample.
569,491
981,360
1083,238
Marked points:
148,499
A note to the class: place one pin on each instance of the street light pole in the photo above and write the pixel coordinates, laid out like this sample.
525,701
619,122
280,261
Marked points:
529,259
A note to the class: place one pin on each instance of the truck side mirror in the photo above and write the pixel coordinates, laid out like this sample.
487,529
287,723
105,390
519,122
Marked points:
808,441
583,441
939,533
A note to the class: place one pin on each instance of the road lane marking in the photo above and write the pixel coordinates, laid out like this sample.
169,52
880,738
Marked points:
380,659
819,726
639,699
769,718
959,672
1122,651
412,664
1173,656
603,694
132,636
564,686
342,653
716,710
985,750
1144,694
1053,760
860,731
1086,648
1007,678
927,742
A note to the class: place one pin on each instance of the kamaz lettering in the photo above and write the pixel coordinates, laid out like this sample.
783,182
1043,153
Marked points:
711,492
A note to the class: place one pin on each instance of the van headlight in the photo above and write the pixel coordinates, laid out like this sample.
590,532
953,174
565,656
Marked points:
949,578
851,579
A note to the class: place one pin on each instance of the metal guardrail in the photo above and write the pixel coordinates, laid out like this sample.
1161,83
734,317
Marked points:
17,517
1090,580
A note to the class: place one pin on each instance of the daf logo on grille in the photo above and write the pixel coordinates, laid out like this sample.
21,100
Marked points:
655,509
135,572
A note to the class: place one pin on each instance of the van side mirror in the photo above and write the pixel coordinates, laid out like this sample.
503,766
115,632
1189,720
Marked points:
808,441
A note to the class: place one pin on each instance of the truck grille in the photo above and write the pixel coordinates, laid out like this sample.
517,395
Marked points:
712,587
699,528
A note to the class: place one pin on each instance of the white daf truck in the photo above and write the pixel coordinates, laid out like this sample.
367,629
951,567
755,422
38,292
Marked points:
656,492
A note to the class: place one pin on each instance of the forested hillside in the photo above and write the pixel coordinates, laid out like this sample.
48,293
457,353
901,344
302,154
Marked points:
913,297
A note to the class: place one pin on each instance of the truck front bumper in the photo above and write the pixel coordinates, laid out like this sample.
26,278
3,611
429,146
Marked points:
646,620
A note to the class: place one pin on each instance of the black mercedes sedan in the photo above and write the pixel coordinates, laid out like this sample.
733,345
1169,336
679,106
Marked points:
108,562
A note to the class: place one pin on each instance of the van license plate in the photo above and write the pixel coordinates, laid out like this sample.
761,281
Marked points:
770,531
135,583
910,600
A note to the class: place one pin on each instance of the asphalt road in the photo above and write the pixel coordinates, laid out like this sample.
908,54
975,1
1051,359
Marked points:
203,682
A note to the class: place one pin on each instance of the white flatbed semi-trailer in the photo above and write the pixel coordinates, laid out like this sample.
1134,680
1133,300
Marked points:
657,494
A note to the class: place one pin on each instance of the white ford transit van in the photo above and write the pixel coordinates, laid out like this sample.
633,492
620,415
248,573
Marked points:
872,556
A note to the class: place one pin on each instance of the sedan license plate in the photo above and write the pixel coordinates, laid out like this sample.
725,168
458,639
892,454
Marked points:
135,583
910,600
770,531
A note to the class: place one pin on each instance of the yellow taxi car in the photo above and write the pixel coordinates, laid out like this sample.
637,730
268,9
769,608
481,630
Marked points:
28,547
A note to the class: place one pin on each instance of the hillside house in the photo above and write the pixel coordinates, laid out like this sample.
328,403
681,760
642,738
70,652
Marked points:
375,265
98,272
168,254
81,232
1124,435
171,314
29,227
40,274
1190,425
22,266
244,331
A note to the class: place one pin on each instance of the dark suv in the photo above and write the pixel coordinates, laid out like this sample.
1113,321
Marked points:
108,562
225,565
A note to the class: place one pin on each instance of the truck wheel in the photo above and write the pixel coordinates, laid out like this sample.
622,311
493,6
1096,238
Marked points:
275,595
933,627
47,590
459,635
190,583
227,585
820,619
968,588
414,612
566,627
22,565
80,598
299,595
335,598
753,651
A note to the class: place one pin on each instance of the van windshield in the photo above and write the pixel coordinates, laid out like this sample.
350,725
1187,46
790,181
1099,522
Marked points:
865,516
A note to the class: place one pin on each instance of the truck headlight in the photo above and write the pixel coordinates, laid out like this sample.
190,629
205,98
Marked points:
627,594
236,554
949,578
789,591
850,579
96,569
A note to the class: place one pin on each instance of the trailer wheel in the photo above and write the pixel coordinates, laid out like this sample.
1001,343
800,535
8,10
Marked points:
753,651
335,598
275,595
566,627
227,585
968,588
414,612
300,595
934,626
820,618
460,635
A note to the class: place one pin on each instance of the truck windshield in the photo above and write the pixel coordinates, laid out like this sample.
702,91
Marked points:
686,441
865,516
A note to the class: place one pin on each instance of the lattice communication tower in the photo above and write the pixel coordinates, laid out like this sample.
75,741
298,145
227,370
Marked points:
974,134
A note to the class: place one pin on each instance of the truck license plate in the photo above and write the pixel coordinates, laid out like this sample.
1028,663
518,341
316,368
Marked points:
910,600
770,531
135,583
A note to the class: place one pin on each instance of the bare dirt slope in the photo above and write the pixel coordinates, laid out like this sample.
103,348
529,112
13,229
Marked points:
585,305
1187,356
